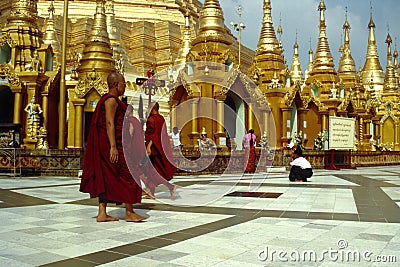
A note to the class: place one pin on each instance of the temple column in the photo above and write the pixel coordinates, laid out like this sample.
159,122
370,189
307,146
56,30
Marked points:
78,103
45,107
220,121
325,122
17,105
249,116
194,135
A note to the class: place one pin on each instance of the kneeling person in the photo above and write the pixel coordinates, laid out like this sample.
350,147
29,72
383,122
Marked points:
301,168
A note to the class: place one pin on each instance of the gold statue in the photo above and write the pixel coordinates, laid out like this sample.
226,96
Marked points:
34,110
206,143
35,63
42,141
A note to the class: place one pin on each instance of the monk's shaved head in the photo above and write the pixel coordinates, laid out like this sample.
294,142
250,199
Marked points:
113,78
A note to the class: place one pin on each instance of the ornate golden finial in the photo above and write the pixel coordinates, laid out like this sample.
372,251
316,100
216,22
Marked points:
395,56
347,67
99,28
372,66
296,73
50,37
391,81
269,52
211,23
323,68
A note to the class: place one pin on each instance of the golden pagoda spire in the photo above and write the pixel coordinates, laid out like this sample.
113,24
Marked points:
296,73
395,58
211,24
50,37
119,53
391,82
372,73
186,41
347,71
310,59
268,41
323,69
97,61
323,59
269,57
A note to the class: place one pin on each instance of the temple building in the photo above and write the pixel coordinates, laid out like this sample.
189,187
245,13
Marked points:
204,78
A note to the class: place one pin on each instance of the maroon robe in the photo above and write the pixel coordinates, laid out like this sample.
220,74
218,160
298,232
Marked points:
134,146
161,151
101,178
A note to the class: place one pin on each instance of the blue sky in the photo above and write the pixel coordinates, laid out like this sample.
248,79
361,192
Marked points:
302,15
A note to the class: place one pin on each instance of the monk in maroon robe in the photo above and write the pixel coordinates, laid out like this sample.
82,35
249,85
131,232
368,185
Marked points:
159,149
105,173
134,148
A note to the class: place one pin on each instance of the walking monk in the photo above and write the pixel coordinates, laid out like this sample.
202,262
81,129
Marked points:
159,150
105,173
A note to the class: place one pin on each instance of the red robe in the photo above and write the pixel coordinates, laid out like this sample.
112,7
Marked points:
134,146
161,151
101,178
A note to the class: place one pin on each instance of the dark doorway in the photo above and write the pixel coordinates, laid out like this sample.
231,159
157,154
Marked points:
6,104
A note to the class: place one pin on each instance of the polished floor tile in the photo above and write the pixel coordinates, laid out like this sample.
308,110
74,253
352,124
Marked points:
215,220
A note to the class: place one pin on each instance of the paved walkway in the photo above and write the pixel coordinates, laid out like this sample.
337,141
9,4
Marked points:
345,217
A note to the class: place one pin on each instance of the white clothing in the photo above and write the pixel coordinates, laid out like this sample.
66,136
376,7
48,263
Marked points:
176,139
301,162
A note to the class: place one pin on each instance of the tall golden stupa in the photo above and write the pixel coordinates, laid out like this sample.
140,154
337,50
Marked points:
137,37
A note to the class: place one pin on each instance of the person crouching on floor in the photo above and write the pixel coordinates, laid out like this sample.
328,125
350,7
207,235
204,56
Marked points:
300,167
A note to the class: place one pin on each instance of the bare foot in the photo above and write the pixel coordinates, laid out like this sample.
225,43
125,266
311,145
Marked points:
172,191
133,217
146,194
106,218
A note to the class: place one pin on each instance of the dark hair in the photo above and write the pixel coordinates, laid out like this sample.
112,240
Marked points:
251,131
298,151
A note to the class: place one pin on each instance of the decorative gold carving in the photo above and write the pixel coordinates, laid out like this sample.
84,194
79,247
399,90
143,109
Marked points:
92,80
6,39
7,71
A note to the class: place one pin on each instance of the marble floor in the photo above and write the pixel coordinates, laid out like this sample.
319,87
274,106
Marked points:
338,218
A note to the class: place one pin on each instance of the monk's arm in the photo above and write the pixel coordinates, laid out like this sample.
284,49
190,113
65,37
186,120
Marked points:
111,108
149,134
